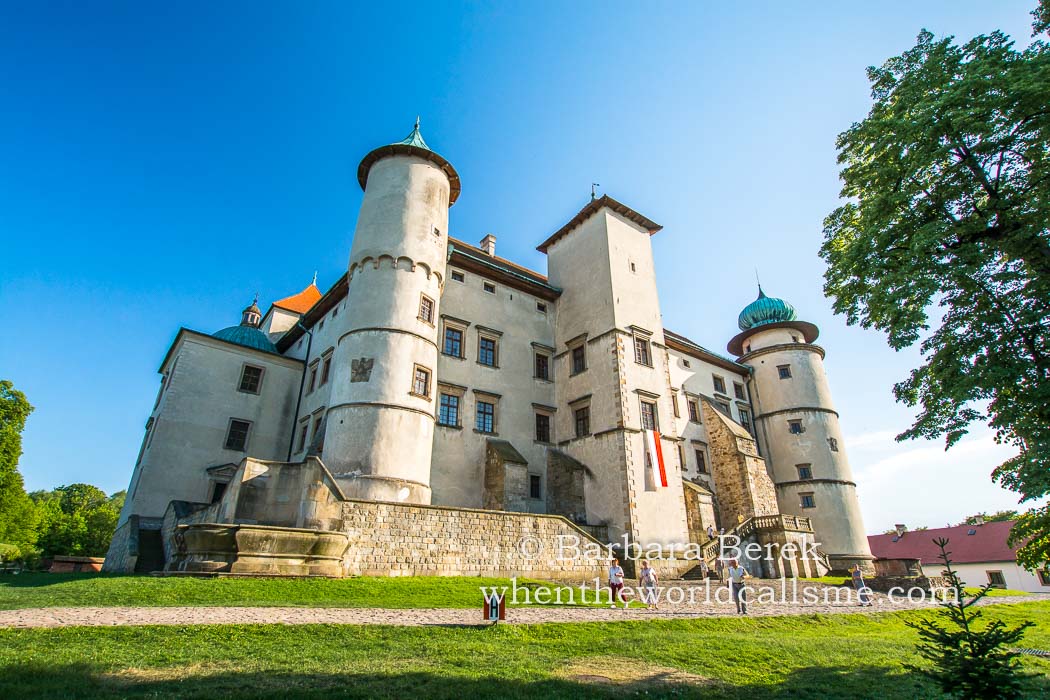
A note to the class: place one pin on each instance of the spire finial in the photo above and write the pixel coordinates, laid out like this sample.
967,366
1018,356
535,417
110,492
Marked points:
315,279
759,283
255,301
417,122
594,193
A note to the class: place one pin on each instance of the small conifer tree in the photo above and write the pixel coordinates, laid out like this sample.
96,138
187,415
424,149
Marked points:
969,661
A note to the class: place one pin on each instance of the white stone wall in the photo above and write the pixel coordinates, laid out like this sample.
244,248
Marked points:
1017,578
458,460
191,419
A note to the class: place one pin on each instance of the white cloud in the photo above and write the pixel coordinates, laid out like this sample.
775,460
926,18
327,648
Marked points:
919,483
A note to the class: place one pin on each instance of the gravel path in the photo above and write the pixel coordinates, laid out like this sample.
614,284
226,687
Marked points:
116,616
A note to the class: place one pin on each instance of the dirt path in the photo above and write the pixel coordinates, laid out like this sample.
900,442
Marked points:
116,616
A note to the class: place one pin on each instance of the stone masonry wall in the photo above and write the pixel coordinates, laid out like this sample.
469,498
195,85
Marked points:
394,539
741,480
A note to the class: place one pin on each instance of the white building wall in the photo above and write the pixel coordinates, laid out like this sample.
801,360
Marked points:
1017,578
191,420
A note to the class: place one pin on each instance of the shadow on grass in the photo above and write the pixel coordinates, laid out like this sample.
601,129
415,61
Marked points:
41,579
86,681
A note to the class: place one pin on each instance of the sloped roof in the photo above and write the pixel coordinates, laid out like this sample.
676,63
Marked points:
506,450
302,302
988,543
593,206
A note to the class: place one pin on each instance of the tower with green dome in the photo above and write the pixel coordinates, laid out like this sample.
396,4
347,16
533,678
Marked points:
798,427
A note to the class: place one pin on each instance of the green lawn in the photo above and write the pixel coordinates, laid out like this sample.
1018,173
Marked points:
817,656
95,590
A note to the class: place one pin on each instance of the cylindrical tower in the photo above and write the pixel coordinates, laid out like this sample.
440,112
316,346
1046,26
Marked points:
798,428
380,426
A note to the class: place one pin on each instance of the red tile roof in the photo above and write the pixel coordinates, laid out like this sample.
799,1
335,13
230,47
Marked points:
300,303
988,543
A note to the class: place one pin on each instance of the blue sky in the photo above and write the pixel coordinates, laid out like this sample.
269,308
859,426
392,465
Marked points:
160,163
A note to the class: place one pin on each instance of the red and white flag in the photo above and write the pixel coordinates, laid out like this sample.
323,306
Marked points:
656,457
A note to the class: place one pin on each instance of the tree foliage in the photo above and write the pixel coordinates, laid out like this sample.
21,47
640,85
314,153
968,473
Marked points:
17,515
969,661
944,240
996,517
78,520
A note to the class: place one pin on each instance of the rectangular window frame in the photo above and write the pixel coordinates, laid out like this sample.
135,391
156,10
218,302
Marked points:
428,376
326,367
304,430
581,420
784,371
458,276
996,578
745,419
312,385
719,383
649,415
805,472
427,309
544,427
487,357
739,392
229,434
796,423
449,409
700,459
643,351
806,501
535,487
485,409
244,374
693,406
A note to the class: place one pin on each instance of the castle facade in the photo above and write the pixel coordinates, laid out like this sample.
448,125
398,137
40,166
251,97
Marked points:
436,372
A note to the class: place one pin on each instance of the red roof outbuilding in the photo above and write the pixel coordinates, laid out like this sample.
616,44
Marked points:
987,543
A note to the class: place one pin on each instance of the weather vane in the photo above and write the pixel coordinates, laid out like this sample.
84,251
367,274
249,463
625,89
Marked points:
594,193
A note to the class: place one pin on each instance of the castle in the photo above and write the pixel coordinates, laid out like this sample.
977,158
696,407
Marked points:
436,373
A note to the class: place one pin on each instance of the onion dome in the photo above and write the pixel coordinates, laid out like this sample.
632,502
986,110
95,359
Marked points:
412,145
248,333
765,310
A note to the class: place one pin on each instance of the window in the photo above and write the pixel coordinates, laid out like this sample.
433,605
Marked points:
457,276
543,366
326,369
313,378
745,418
642,354
685,363
541,307
490,288
723,406
738,391
794,339
1044,577
448,413
833,444
633,268
806,500
784,371
453,342
303,430
437,231
486,417
534,486
795,427
237,435
217,491
421,382
543,427
426,309
720,384
335,312
674,404
579,359
649,416
805,472
320,326
701,461
251,379
487,351
318,424
582,419
694,410
996,579
681,456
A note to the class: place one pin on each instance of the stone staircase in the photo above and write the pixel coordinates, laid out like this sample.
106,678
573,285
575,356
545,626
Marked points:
711,549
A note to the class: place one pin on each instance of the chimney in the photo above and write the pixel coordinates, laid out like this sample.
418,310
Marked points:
978,520
901,529
488,244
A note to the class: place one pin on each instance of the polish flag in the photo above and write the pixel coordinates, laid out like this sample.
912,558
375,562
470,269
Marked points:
656,457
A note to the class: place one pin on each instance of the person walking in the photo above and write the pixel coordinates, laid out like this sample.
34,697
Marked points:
648,580
720,569
737,574
710,532
616,584
863,592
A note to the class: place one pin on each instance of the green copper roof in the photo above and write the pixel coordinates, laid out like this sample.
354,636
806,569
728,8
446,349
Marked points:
765,310
247,336
413,139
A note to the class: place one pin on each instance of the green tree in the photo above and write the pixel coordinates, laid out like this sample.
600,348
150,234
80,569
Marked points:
969,661
17,515
77,520
996,517
944,241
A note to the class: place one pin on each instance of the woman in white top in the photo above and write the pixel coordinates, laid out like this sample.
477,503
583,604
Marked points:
648,580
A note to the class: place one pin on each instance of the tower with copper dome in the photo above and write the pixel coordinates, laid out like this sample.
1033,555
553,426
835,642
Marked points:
379,429
798,427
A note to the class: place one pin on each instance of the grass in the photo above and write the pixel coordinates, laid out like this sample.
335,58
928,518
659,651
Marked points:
805,657
36,590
